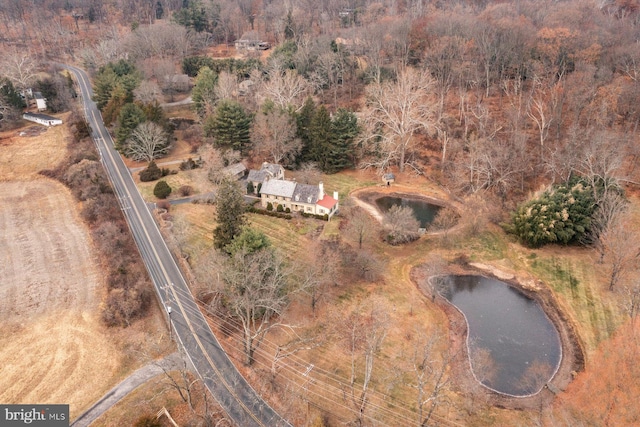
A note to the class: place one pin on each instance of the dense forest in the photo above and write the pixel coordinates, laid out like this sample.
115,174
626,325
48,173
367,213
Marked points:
525,112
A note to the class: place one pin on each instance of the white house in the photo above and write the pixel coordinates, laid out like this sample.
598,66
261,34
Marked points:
42,119
298,197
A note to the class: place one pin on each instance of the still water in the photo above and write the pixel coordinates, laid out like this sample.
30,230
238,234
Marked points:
513,346
423,211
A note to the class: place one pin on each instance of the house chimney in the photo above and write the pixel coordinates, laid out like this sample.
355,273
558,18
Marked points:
320,190
335,195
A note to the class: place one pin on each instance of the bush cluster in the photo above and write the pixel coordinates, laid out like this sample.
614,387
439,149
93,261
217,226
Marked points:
129,293
153,172
561,214
255,210
324,217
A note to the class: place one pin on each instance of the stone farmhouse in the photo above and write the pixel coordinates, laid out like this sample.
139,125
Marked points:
267,171
306,198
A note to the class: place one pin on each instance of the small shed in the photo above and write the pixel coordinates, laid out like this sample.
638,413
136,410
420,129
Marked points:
42,119
388,178
41,103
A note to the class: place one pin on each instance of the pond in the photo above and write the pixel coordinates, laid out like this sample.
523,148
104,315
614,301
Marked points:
513,346
423,211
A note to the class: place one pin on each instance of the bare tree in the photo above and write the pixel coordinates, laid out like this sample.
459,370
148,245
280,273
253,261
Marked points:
285,88
256,292
147,92
400,225
19,66
397,111
147,142
429,374
361,227
227,86
444,221
274,135
621,248
320,264
363,332
542,106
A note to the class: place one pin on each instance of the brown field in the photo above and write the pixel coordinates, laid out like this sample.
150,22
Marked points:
54,347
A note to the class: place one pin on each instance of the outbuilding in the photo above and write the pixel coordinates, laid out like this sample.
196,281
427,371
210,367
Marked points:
42,119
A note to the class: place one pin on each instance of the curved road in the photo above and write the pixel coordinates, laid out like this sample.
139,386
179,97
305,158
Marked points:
241,402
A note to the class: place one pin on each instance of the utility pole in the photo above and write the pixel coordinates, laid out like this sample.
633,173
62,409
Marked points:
170,326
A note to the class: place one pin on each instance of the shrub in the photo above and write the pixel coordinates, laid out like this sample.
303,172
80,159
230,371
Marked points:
255,210
189,164
269,206
250,188
185,190
162,190
163,204
259,188
279,208
151,173
287,210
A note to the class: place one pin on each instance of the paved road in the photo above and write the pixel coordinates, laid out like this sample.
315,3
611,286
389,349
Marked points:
241,403
129,384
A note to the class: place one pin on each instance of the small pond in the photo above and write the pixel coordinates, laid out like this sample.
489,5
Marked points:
423,211
513,346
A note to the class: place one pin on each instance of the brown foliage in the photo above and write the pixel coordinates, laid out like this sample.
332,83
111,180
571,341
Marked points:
607,392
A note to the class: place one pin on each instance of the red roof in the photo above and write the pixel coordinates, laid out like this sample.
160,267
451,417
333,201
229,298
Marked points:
327,202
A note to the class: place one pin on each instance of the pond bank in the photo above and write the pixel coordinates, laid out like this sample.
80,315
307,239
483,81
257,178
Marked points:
462,376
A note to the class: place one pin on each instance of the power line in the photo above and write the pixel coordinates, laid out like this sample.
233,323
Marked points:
329,383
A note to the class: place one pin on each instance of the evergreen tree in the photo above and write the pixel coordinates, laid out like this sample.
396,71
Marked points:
249,240
204,91
320,135
159,10
162,190
344,129
229,126
230,213
130,117
303,120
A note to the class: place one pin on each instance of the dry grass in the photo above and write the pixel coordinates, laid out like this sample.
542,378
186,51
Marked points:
54,347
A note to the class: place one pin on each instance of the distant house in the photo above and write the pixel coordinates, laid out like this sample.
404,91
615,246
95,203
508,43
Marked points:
251,40
41,103
266,172
388,178
42,119
237,170
306,198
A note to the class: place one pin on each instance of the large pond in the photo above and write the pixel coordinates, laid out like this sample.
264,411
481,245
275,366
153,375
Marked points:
513,346
423,211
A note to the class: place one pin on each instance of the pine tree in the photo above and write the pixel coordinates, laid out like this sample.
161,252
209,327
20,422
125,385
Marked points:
303,120
203,93
230,213
320,135
130,117
344,129
229,126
